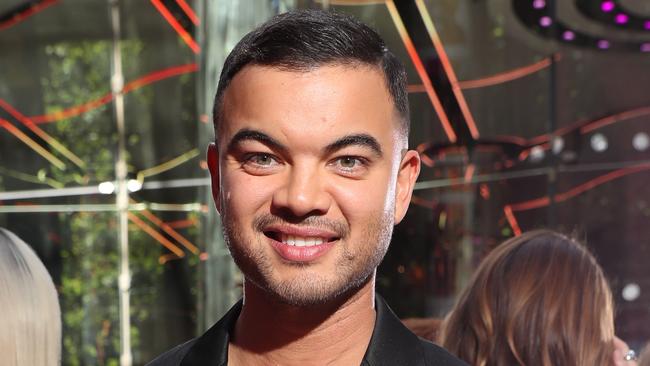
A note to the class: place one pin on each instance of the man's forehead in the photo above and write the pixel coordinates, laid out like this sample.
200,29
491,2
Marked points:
364,77
350,99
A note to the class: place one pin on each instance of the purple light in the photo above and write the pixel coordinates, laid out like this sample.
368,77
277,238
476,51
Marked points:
646,24
607,6
568,35
545,21
539,4
645,47
621,18
603,44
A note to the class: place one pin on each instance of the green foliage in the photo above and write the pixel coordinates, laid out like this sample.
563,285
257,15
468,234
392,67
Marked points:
88,289
78,73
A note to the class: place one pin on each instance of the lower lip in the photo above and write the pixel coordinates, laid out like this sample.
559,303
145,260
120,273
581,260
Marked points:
294,253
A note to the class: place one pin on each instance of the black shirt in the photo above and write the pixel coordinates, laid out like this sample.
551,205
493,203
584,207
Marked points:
392,344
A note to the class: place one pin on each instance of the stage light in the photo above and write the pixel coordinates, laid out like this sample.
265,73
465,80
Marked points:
641,141
106,187
557,145
646,24
599,142
568,35
536,154
545,21
603,44
607,6
133,185
539,4
645,47
631,292
621,18
569,156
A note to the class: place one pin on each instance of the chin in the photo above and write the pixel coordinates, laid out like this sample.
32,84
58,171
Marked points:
314,290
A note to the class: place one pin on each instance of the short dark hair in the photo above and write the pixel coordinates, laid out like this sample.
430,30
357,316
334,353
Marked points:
301,40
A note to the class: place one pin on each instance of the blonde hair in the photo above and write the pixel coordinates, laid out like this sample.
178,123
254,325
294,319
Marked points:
30,330
540,299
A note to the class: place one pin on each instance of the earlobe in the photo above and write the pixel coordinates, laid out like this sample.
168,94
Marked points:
408,173
213,166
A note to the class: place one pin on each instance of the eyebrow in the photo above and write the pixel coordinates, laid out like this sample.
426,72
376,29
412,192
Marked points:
254,135
361,139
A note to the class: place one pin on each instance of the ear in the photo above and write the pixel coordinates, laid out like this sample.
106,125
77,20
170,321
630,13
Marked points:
213,166
408,173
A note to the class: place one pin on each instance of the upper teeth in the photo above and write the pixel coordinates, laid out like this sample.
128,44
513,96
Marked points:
300,241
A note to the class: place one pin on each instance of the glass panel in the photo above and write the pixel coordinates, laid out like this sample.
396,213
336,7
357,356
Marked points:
60,144
78,248
542,122
555,90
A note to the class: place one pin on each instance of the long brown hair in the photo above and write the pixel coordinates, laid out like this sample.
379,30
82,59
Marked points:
539,299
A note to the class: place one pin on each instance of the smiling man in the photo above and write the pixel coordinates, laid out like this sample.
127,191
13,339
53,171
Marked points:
310,172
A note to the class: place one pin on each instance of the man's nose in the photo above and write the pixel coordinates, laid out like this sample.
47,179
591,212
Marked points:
303,193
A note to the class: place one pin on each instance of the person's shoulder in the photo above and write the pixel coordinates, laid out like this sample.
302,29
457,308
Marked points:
435,355
174,356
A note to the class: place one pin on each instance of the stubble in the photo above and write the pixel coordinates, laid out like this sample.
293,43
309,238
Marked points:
356,262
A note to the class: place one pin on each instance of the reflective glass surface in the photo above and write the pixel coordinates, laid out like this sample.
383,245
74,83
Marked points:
527,114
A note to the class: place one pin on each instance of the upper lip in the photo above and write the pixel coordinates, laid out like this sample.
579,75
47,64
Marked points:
302,231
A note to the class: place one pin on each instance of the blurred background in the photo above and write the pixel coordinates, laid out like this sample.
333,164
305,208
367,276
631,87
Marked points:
527,114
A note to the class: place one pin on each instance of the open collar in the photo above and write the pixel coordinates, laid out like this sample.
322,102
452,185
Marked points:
391,343
211,349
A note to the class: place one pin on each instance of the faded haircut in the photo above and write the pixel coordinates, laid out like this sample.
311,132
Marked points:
302,40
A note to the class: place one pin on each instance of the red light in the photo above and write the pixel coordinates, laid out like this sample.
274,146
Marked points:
133,85
27,13
485,191
188,11
176,25
512,220
509,75
419,67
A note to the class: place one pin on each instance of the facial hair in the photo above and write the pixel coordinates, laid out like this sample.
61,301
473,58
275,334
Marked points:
355,264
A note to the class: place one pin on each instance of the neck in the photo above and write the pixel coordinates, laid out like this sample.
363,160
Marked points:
269,332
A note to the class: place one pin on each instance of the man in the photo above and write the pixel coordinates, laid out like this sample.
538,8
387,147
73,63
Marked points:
310,172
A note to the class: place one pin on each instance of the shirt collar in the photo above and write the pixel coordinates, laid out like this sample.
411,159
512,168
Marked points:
211,349
391,341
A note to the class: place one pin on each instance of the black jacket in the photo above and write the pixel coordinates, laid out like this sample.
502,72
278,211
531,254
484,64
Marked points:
392,344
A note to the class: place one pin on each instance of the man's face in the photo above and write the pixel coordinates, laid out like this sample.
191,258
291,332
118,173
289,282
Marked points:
310,175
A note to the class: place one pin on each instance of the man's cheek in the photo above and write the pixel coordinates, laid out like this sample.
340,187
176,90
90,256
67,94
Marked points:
245,196
359,204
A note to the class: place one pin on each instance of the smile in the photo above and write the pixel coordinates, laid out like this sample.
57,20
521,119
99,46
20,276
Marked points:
300,237
295,244
301,241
